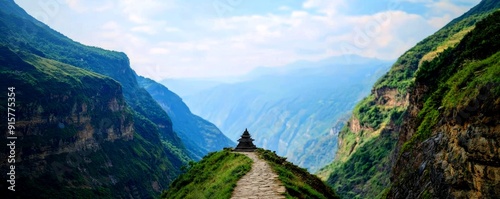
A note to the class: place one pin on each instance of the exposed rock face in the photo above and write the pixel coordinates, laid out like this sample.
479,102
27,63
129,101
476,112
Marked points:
79,130
457,153
77,138
390,97
460,160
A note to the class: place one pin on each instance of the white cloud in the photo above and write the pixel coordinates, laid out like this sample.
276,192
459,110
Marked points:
328,7
142,11
284,8
80,6
172,29
75,5
444,7
177,39
144,29
160,51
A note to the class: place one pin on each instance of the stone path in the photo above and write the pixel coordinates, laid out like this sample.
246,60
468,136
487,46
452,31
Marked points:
259,182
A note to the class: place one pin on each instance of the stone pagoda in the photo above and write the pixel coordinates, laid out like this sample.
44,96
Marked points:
245,143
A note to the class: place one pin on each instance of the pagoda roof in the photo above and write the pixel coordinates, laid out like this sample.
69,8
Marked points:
245,142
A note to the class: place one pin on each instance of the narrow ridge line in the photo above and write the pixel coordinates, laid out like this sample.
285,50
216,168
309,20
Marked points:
260,182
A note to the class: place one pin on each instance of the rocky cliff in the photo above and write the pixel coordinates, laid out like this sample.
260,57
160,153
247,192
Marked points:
449,145
367,144
21,31
73,129
85,129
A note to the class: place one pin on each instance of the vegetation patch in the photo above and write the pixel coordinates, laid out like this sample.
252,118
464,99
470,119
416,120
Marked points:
299,183
215,176
360,176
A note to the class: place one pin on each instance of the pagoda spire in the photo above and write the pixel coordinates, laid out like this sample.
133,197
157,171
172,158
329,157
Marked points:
245,143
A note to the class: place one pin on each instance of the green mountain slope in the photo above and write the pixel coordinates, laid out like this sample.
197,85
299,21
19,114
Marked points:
448,146
64,149
364,159
21,31
87,129
199,135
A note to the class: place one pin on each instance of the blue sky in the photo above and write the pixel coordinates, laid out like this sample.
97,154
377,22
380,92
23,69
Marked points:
223,38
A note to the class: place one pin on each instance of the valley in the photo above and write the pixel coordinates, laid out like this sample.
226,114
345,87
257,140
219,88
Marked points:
291,109
165,119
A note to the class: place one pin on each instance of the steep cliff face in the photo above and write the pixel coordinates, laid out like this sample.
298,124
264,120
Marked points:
85,127
367,143
449,146
199,135
73,129
21,31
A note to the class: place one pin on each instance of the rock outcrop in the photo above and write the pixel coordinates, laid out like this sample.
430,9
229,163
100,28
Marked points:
368,146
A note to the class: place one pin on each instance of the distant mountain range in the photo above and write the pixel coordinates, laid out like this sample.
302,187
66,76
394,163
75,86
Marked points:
288,109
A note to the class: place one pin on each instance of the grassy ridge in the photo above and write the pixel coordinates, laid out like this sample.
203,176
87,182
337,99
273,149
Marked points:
464,72
215,176
298,182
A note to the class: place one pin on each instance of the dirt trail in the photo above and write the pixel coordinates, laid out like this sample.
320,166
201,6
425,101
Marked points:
259,182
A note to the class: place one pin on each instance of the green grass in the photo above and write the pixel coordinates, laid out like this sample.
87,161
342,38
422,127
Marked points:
466,83
298,182
457,93
215,176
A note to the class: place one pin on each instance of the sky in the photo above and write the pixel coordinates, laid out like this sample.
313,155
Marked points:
226,38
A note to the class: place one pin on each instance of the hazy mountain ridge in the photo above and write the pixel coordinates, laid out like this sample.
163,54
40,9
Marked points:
199,135
288,109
